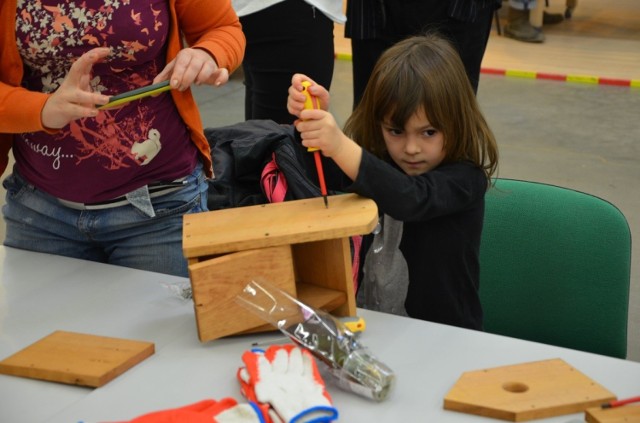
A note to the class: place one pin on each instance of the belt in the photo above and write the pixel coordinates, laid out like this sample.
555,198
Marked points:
155,190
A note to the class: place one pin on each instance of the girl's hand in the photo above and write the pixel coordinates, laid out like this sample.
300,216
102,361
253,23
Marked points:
193,65
74,99
295,101
319,129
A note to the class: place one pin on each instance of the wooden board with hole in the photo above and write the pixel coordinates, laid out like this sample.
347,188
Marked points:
76,358
526,391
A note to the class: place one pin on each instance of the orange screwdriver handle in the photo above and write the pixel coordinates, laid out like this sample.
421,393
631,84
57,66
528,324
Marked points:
311,102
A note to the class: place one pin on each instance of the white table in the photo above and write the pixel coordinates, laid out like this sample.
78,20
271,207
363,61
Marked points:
42,293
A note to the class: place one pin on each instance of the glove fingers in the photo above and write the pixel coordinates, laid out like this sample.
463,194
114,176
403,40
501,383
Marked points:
271,352
311,371
257,366
295,363
243,413
246,385
286,383
280,363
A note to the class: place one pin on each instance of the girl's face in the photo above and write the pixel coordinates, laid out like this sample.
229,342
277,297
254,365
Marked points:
418,147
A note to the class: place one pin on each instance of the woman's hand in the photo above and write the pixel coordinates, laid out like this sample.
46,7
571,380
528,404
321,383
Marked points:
74,99
295,100
193,65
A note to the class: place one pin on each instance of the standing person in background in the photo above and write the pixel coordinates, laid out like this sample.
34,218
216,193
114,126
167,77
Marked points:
375,25
419,146
285,37
108,185
518,25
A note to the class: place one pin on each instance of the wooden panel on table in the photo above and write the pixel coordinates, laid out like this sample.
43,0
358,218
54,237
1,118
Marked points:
526,391
76,358
624,414
217,282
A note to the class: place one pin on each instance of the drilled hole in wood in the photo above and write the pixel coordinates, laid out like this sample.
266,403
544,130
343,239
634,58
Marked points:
515,387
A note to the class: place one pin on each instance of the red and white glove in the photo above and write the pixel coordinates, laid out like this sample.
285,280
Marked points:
285,383
207,411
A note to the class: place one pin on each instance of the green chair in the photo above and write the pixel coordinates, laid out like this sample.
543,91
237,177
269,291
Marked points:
555,267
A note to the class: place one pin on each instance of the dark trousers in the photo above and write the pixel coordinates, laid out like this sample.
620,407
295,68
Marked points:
286,38
412,17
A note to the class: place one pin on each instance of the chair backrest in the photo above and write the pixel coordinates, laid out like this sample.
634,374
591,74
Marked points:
555,267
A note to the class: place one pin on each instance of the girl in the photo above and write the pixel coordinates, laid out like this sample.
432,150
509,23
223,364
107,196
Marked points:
419,146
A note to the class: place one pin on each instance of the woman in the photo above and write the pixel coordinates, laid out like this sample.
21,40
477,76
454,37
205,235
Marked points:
108,185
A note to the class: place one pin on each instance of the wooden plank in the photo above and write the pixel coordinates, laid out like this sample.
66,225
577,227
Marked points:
321,298
327,264
216,283
625,414
314,296
76,358
526,391
268,225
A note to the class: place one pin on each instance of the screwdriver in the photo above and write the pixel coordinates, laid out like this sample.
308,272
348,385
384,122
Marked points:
312,102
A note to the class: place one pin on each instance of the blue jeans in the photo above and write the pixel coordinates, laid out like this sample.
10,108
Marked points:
123,236
522,4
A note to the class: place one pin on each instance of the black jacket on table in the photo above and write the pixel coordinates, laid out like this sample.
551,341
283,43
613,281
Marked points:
443,212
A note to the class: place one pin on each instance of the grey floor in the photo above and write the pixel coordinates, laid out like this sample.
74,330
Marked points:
585,137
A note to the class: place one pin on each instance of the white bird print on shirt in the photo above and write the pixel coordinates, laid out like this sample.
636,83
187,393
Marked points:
146,150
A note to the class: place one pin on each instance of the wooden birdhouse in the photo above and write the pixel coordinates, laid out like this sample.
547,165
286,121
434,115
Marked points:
300,246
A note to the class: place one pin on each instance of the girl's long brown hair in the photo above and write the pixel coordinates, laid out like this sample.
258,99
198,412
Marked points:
424,72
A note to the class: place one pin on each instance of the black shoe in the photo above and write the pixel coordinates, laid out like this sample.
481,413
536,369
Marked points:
552,18
519,28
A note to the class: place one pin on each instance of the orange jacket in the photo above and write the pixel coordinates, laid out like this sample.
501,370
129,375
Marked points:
208,24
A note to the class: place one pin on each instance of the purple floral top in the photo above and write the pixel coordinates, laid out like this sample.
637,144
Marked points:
96,159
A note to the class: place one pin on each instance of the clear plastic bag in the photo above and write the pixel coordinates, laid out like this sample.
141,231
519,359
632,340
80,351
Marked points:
180,290
328,339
